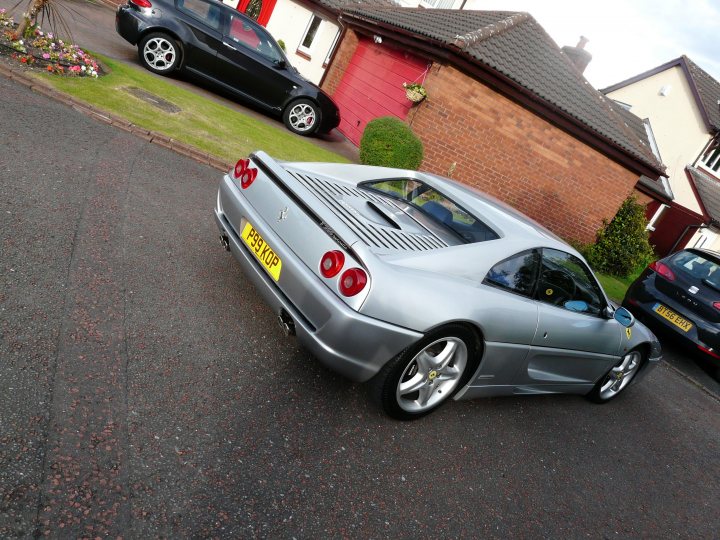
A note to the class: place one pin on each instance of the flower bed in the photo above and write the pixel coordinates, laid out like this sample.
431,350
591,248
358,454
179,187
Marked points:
45,51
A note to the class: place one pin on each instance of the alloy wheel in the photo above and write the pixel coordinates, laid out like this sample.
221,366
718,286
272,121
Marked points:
620,376
159,53
432,375
302,117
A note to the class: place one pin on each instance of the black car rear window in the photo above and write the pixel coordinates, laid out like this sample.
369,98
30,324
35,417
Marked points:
695,265
437,207
205,11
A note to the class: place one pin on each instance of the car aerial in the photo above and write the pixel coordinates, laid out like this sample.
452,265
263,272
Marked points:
425,288
680,295
223,46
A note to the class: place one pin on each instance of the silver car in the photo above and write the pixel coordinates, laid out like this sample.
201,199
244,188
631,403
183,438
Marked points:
424,287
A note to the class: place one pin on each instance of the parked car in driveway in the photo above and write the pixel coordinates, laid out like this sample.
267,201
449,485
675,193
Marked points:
424,287
680,295
226,48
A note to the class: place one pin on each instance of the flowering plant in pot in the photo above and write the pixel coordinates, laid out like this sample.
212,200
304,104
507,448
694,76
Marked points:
415,92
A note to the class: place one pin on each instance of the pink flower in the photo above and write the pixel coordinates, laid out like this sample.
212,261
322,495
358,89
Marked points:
46,56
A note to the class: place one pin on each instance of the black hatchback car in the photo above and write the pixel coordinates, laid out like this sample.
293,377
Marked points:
681,293
223,46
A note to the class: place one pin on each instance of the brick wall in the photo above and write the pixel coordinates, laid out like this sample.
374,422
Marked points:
501,148
343,55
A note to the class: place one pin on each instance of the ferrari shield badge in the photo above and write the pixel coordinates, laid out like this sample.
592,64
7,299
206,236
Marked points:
628,332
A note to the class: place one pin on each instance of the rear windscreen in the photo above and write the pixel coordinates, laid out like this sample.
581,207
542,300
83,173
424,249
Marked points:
697,266
433,205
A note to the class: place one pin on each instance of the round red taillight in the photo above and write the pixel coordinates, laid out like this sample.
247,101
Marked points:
353,281
243,172
142,3
331,263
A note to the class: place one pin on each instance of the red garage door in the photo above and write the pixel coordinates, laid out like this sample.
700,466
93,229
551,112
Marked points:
372,86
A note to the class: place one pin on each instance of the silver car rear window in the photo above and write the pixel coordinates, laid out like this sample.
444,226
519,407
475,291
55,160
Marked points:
429,203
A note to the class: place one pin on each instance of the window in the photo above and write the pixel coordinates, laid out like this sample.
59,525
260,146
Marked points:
565,281
309,35
711,157
516,274
249,35
210,14
696,266
426,204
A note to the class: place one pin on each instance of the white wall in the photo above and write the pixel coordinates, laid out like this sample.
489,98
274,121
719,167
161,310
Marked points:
288,22
676,123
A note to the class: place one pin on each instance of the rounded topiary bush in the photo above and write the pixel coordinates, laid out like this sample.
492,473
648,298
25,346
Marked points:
389,142
622,245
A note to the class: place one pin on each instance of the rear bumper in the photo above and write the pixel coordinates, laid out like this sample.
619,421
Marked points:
641,299
128,24
345,341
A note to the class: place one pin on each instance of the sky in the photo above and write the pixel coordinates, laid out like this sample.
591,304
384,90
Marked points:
627,37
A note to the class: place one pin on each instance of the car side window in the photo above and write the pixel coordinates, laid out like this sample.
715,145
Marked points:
517,273
565,281
208,13
245,33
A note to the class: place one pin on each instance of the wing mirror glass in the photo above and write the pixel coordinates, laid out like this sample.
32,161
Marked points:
624,317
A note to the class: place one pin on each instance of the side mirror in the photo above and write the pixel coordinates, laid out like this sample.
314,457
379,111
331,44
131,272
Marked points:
280,64
624,317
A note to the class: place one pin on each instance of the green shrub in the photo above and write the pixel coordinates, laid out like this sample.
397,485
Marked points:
622,245
389,142
282,44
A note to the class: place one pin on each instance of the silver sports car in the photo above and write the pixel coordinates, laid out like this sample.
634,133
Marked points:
424,287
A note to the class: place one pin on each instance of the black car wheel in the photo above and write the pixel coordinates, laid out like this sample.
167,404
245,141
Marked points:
427,374
302,116
159,53
618,378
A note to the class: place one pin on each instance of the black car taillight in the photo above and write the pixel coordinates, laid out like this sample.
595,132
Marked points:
662,269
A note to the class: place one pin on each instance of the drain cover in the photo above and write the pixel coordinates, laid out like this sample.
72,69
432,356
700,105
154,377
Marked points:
152,99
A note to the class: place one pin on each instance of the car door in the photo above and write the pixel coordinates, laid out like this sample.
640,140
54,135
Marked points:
575,343
253,64
204,21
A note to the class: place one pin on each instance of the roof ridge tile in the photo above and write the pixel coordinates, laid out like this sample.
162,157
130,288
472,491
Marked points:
487,32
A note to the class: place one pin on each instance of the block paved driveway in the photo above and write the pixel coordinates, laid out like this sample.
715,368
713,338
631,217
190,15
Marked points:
145,391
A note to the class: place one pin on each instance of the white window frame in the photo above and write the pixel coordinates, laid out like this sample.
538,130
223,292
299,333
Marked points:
308,50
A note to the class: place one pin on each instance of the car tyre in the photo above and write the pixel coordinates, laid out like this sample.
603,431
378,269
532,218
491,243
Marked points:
302,116
618,378
159,53
427,374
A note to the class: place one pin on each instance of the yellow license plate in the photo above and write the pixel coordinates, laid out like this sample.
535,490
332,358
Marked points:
673,317
262,251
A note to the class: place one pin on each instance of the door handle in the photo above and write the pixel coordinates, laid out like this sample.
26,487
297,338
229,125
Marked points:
229,46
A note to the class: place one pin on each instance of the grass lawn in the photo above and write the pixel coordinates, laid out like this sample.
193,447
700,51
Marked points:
202,123
616,287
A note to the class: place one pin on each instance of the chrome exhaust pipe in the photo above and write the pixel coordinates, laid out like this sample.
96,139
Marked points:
286,323
225,241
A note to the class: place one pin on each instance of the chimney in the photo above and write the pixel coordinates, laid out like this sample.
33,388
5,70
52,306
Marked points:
578,55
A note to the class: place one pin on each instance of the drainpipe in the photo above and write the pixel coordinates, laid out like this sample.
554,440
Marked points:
687,229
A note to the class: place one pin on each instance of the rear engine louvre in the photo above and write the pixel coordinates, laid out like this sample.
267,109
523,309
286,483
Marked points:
371,234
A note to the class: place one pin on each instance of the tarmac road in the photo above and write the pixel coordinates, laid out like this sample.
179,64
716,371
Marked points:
146,392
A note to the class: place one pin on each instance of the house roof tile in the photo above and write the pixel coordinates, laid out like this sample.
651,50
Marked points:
709,191
708,90
516,46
